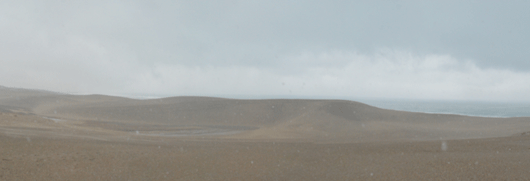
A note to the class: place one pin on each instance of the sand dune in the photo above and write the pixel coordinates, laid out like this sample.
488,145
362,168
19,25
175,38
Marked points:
316,120
247,139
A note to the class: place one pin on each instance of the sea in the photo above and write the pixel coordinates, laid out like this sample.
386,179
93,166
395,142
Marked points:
481,109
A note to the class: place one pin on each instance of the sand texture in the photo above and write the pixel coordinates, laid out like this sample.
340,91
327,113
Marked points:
51,136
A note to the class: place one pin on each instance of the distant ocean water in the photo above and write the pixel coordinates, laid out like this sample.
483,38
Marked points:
482,109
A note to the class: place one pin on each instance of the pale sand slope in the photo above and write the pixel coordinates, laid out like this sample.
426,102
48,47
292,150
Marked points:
64,137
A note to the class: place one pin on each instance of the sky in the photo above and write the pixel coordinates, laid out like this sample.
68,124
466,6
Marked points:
421,50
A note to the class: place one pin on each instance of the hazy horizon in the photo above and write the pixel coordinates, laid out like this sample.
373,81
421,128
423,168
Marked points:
141,96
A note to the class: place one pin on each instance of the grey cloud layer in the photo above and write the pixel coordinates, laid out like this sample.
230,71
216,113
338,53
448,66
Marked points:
109,45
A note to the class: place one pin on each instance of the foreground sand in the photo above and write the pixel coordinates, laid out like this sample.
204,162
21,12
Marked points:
48,136
39,158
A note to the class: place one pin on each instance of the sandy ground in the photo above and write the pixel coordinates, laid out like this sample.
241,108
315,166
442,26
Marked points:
44,136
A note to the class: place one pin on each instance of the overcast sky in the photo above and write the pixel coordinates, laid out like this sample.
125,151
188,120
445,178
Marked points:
448,50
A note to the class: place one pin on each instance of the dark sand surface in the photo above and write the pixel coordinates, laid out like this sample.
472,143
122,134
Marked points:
49,136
